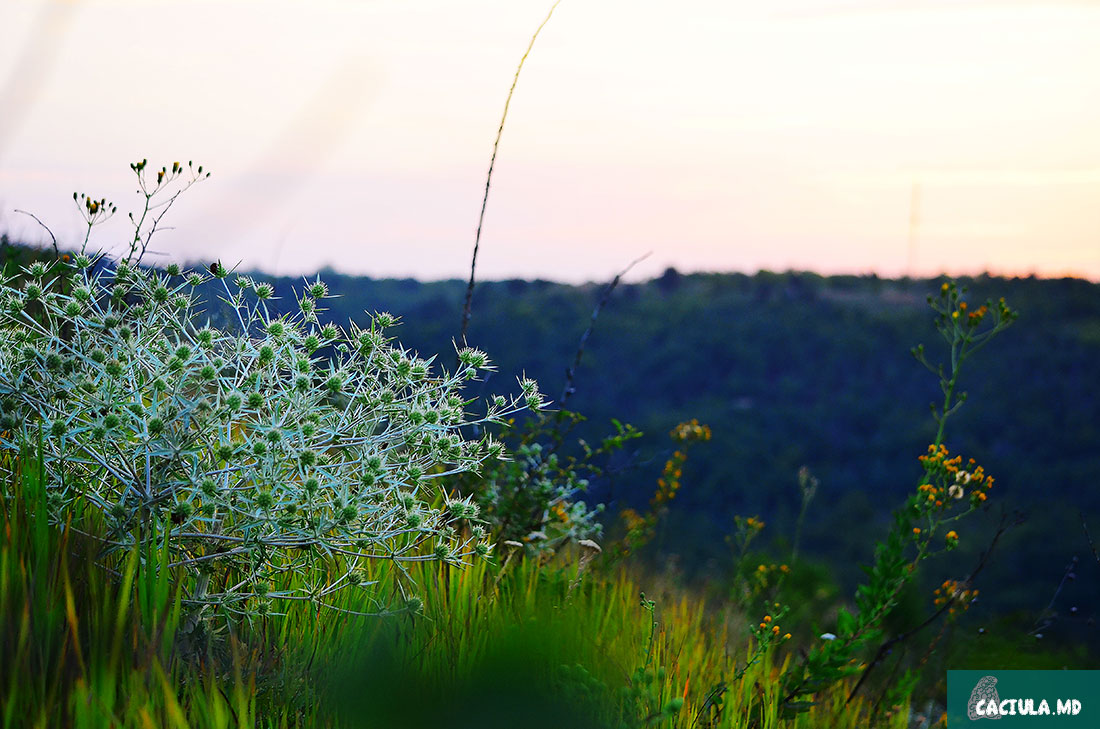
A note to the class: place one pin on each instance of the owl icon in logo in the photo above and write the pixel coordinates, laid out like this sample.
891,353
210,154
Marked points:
986,690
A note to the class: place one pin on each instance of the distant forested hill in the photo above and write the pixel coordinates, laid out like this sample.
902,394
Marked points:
798,369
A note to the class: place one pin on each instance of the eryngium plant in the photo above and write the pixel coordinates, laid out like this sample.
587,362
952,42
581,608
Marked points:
271,459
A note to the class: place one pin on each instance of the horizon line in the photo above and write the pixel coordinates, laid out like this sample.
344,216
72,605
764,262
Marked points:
198,263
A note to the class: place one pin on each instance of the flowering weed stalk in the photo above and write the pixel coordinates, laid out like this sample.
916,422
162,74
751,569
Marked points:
641,528
948,491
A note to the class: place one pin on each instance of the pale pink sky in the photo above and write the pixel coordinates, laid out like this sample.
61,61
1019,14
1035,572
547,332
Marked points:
720,135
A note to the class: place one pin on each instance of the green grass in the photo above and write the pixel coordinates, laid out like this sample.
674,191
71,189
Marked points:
106,642
87,644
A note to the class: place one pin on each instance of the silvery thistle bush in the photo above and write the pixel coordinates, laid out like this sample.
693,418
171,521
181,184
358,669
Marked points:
272,458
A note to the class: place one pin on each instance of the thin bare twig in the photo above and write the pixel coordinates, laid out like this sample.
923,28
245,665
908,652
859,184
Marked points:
56,251
166,205
1092,546
571,372
489,178
1046,617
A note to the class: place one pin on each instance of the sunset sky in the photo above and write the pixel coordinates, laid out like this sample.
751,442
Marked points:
837,136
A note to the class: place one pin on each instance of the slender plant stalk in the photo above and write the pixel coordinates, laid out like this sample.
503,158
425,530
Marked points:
489,177
56,250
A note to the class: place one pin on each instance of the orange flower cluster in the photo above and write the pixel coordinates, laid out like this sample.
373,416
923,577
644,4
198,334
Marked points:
766,625
960,310
765,576
948,479
956,591
766,568
690,431
669,482
973,318
94,210
754,523
559,511
632,518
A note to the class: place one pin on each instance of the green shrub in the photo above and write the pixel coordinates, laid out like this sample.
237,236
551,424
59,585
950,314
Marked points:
535,497
254,451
